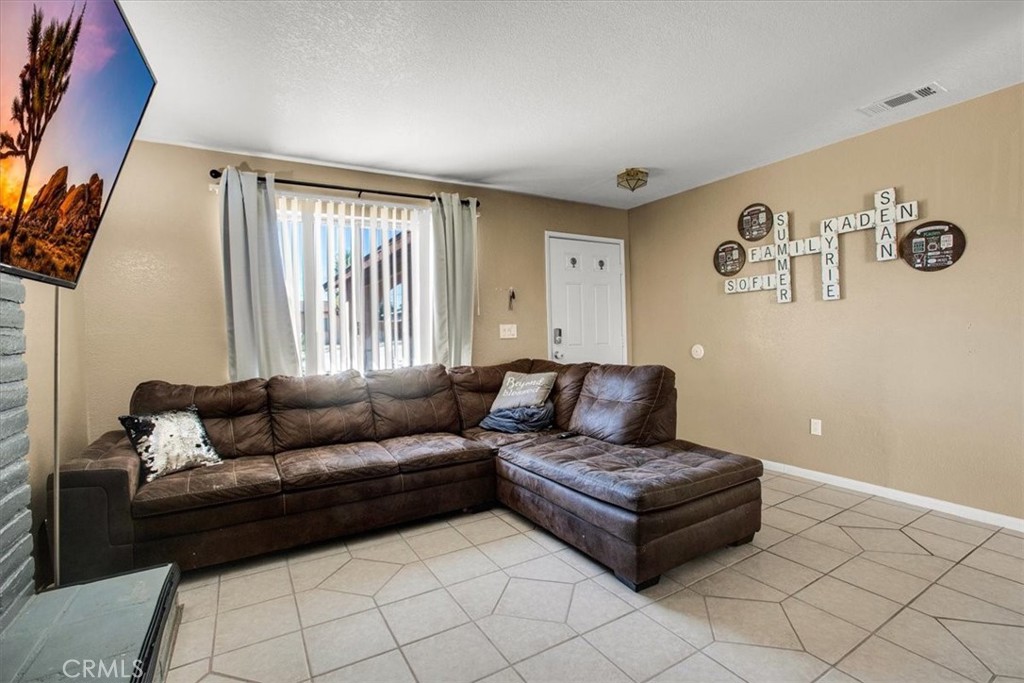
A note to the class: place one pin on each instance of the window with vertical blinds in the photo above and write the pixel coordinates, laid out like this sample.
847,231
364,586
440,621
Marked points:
356,275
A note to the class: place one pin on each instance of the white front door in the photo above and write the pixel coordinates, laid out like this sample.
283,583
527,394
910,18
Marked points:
586,299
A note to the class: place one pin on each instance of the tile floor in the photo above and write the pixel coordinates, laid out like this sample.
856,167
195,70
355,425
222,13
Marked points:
837,587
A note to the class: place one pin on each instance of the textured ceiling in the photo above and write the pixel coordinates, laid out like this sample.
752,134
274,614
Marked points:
555,98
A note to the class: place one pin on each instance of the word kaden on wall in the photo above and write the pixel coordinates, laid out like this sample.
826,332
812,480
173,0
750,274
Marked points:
882,219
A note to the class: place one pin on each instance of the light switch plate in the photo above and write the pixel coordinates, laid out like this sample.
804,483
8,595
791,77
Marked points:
815,427
508,331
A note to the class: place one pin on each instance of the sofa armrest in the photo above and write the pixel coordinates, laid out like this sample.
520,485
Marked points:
97,489
111,459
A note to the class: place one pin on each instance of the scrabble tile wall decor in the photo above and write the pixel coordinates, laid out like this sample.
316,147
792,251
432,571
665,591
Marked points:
780,232
932,246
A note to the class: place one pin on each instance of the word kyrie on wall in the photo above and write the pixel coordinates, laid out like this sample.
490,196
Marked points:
939,247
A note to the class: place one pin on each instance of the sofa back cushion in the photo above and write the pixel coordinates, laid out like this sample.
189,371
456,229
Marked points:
568,385
320,410
235,415
627,404
411,401
476,387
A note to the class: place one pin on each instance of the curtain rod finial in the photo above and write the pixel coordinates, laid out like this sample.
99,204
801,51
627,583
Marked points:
215,173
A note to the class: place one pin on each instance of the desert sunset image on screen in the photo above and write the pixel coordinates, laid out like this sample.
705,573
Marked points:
73,88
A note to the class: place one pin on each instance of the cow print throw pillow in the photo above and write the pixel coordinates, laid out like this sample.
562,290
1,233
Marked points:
170,441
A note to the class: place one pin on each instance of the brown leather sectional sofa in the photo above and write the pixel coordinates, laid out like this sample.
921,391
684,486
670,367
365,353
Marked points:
308,459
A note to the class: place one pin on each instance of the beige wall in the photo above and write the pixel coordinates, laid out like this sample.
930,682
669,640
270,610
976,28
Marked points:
917,376
153,305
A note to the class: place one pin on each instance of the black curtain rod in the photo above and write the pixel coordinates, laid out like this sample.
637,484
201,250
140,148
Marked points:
217,173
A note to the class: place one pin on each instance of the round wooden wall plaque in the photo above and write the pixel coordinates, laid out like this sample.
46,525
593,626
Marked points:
730,257
933,246
755,222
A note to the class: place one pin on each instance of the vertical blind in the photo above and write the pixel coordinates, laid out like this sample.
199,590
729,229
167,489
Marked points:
357,278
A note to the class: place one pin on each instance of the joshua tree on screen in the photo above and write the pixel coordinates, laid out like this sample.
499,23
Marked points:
44,80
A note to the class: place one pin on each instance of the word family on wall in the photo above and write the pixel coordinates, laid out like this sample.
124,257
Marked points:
882,220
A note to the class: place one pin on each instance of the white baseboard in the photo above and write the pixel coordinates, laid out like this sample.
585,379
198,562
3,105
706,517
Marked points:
975,514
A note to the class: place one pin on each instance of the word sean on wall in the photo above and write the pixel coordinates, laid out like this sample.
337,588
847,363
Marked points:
882,219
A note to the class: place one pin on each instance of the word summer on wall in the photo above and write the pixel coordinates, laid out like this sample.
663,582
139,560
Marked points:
882,219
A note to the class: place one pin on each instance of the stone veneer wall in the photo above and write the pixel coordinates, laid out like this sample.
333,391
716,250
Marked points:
16,564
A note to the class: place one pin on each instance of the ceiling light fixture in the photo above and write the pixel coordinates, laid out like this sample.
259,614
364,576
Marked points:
633,178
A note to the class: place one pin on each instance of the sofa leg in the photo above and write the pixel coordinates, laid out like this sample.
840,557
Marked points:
479,507
637,587
742,541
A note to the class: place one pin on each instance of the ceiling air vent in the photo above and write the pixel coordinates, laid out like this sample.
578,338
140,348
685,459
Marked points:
900,99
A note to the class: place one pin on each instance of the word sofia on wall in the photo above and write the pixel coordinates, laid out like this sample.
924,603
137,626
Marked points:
926,250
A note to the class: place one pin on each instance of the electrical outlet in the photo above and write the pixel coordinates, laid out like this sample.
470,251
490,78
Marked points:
508,331
815,427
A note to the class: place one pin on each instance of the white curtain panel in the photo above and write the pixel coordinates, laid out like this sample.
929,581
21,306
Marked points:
454,278
261,338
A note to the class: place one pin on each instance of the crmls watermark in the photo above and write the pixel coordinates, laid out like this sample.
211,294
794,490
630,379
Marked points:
99,669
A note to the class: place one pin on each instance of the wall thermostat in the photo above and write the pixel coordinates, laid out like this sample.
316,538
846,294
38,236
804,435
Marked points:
697,351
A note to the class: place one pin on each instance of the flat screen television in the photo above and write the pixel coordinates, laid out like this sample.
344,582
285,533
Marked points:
73,88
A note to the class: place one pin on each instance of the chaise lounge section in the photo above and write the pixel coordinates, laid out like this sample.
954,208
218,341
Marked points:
616,484
314,458
639,511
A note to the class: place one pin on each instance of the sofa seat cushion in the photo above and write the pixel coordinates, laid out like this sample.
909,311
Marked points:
499,439
337,464
425,451
230,481
637,479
